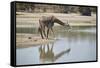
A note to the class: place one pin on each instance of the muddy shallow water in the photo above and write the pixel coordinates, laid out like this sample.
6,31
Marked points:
78,44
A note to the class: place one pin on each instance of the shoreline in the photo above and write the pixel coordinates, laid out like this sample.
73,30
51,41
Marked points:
32,19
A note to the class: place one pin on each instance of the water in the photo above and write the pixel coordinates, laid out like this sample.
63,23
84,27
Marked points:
78,44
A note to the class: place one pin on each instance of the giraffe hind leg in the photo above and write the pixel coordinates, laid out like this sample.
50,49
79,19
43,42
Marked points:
41,33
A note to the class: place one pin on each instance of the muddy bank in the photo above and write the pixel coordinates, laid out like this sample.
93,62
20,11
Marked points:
27,40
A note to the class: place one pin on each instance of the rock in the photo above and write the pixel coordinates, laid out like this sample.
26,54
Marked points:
29,38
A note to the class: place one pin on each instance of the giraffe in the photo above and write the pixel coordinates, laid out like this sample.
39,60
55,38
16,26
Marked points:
48,22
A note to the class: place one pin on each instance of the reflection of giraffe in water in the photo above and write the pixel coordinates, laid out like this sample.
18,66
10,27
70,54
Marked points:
49,54
49,23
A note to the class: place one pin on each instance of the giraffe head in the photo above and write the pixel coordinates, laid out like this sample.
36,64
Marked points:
67,25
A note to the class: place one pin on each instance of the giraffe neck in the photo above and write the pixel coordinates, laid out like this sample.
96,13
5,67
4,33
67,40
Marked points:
59,22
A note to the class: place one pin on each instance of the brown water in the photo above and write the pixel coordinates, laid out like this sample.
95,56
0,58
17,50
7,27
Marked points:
78,44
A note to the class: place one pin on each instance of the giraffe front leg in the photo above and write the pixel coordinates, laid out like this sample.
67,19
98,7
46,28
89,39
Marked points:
53,32
47,33
44,32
